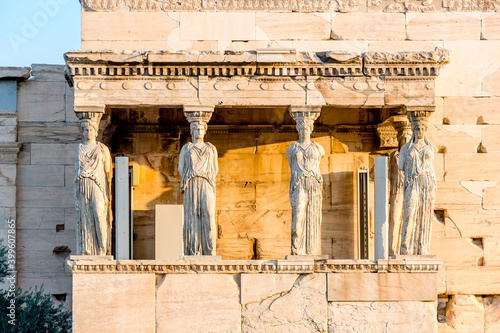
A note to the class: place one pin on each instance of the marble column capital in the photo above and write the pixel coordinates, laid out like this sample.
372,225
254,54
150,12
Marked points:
307,113
419,113
198,113
89,112
9,151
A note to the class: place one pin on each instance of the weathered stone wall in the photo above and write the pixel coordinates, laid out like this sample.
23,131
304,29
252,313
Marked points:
305,31
9,149
48,131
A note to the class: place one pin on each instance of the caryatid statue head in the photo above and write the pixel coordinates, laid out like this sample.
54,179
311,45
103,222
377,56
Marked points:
419,124
198,131
304,117
305,128
90,130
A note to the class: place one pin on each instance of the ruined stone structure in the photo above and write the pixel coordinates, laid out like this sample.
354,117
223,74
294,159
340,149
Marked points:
363,66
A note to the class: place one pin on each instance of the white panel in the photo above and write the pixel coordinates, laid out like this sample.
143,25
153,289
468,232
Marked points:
168,232
122,208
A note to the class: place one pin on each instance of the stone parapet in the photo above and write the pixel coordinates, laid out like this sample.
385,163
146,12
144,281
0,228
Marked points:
236,295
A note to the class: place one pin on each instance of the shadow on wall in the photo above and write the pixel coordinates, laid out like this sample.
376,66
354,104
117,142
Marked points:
253,209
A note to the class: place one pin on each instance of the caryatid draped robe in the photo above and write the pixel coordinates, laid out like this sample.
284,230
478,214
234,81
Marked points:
419,195
198,167
93,218
306,186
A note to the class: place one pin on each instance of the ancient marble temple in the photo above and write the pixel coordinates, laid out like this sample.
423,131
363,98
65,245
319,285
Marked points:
255,125
249,101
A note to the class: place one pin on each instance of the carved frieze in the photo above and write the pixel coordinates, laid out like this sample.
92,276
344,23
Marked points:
471,5
408,6
223,5
437,56
395,6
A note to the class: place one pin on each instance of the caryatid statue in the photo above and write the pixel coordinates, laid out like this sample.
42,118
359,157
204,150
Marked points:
417,162
92,191
396,179
198,167
306,184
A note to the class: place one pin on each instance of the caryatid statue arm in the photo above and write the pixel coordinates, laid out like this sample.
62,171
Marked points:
321,150
107,169
215,162
182,164
402,156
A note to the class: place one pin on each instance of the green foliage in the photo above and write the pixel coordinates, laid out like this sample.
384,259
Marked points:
3,262
35,312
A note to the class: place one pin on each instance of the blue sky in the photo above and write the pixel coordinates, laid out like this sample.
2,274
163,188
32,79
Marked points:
38,31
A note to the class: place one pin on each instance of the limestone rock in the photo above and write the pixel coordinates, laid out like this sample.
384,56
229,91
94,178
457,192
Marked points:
465,313
276,313
491,314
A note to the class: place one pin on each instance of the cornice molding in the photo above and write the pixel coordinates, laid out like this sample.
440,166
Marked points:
110,65
255,266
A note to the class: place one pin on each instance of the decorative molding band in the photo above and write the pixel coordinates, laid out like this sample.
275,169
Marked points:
289,5
405,63
8,114
9,151
110,65
221,5
255,266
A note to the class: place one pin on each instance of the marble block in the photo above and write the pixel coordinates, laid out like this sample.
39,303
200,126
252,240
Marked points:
368,287
195,303
110,303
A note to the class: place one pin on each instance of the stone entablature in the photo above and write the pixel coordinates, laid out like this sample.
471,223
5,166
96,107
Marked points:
256,266
394,6
262,77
